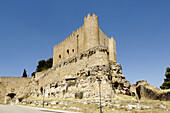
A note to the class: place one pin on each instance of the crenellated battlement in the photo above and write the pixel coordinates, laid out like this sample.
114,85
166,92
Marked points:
90,17
77,31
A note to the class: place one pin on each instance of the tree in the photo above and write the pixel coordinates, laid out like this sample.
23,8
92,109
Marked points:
33,74
49,62
24,74
166,84
43,65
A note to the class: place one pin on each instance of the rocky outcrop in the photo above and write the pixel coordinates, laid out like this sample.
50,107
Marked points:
81,85
164,95
120,84
145,90
84,84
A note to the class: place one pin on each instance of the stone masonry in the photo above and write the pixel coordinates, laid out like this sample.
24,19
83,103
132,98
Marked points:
86,37
12,85
78,62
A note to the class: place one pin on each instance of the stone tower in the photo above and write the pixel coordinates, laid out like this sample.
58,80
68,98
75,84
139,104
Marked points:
91,31
112,50
86,37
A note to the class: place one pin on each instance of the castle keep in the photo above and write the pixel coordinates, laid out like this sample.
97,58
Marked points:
86,37
86,47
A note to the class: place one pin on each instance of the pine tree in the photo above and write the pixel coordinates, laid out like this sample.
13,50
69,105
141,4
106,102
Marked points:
166,84
24,73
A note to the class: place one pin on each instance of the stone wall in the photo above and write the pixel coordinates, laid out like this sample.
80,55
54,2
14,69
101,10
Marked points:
93,57
12,85
72,45
104,40
2,92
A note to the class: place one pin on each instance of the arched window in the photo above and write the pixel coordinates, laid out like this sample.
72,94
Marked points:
59,56
68,51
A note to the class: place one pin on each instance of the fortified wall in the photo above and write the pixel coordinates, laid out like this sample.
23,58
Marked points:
12,85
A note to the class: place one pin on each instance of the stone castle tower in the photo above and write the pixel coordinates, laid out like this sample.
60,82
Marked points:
86,37
91,31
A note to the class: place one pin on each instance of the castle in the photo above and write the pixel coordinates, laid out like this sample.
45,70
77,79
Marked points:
78,61
86,37
80,44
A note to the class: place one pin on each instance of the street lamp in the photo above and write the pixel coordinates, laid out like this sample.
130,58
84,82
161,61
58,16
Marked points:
43,96
99,82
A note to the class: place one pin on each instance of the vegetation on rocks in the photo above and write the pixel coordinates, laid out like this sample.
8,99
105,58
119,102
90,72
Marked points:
166,84
43,65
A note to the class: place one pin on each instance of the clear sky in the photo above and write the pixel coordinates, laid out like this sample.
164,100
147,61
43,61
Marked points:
30,28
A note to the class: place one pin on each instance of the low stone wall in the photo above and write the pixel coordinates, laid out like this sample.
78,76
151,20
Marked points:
14,85
2,92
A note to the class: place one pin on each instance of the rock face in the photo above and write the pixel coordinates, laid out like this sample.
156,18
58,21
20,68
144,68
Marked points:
164,95
120,84
84,84
145,90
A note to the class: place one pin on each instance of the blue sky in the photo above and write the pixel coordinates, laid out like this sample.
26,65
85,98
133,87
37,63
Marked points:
30,28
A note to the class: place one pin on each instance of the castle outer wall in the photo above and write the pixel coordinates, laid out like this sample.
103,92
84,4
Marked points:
12,85
96,56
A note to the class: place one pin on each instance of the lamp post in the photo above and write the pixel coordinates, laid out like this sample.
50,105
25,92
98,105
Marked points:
43,97
99,81
26,98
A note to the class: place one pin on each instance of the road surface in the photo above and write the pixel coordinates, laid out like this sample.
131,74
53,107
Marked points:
25,109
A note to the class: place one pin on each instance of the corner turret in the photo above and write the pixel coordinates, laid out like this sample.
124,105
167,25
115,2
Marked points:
112,50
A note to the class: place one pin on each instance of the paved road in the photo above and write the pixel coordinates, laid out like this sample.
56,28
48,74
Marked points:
25,109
